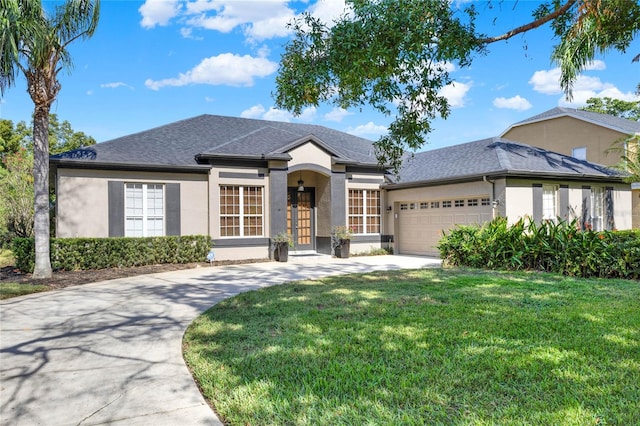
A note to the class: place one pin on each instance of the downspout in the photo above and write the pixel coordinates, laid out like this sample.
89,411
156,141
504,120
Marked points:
494,203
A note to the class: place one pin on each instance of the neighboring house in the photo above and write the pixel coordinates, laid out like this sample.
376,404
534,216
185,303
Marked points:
474,182
243,181
581,134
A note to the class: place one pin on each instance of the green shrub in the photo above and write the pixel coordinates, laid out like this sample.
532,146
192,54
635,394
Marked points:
69,254
553,246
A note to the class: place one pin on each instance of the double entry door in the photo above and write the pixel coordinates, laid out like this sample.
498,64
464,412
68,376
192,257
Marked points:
300,218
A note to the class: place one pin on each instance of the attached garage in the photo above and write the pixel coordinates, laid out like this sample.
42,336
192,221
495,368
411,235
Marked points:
419,224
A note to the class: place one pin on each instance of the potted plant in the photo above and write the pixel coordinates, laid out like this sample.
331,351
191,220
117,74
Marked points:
341,241
281,243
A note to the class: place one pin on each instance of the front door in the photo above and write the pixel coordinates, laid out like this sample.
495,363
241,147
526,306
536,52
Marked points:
300,218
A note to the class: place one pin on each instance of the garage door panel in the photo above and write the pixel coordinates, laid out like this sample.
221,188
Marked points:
419,230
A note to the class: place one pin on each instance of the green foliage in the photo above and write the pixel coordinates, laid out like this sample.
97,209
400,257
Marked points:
395,56
16,196
595,28
70,254
559,247
283,238
616,107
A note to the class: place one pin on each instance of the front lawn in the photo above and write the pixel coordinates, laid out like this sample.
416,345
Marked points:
424,347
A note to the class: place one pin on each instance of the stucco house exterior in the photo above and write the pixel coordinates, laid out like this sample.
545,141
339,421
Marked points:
237,180
582,134
243,181
474,182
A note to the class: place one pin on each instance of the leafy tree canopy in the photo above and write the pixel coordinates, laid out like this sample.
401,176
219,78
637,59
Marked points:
62,137
616,107
394,56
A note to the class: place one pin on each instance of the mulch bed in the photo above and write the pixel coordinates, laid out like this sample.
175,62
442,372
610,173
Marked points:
63,279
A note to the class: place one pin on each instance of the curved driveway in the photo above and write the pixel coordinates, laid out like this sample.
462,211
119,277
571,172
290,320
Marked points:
110,352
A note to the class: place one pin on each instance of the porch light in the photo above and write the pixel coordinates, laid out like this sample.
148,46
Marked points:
300,184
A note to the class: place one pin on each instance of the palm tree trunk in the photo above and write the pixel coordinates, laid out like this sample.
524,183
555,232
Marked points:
42,268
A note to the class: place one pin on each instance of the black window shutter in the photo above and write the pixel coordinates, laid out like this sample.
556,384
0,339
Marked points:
172,191
116,208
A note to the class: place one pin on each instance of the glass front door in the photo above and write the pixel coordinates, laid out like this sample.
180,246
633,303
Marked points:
300,218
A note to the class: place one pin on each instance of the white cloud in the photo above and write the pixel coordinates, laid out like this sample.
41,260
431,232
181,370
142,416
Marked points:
224,69
275,114
158,12
548,82
369,129
327,10
518,103
337,114
455,93
308,114
255,111
596,65
259,20
115,85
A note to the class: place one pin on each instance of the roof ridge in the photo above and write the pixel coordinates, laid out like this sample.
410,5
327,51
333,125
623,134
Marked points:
503,158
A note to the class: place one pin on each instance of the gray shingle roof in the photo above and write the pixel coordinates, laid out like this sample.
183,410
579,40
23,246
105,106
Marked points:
177,144
615,123
496,156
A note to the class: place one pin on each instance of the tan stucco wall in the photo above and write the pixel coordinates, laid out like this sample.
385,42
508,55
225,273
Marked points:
82,200
309,153
520,199
241,253
565,133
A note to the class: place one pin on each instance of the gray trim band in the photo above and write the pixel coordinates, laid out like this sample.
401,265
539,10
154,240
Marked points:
237,175
241,242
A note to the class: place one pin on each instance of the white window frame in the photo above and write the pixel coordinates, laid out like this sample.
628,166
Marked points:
146,212
549,202
365,207
579,152
597,208
242,214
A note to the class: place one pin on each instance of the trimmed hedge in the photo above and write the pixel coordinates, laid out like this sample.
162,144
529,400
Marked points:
559,247
71,254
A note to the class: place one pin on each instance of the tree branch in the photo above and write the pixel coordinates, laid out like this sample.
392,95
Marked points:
530,25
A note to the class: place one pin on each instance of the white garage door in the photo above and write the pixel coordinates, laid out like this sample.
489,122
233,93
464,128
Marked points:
420,223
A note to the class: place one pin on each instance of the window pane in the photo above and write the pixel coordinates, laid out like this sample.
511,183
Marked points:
549,204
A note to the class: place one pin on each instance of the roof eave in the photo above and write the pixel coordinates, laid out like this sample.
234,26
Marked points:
502,174
103,165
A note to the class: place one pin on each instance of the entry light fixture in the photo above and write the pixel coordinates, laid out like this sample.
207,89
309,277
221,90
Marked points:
300,184
389,208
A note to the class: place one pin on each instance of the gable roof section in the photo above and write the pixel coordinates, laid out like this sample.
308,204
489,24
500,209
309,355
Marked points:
495,157
187,143
618,124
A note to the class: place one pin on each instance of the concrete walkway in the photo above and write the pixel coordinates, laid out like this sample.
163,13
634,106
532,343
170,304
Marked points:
110,352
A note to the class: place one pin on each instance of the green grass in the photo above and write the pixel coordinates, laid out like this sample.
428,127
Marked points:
9,290
424,347
6,258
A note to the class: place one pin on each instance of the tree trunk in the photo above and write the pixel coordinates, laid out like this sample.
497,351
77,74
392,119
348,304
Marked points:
42,268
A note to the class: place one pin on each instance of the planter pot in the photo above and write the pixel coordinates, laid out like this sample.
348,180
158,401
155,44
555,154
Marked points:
342,250
281,252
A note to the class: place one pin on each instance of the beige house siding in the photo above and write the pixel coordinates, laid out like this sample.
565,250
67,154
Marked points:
562,134
82,202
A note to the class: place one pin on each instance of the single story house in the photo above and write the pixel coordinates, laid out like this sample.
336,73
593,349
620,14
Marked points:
243,181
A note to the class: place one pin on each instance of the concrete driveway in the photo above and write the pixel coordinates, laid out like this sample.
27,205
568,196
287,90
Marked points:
110,352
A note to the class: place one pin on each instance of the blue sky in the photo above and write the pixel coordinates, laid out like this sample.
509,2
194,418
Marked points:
151,63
